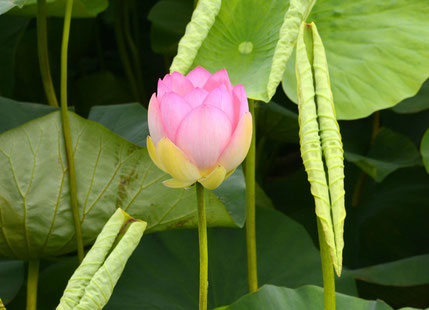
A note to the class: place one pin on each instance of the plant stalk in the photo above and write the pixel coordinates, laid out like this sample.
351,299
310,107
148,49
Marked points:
202,237
120,41
67,131
250,207
327,270
42,46
32,279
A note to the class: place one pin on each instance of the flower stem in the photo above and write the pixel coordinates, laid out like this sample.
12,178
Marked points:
32,279
327,270
67,131
202,236
250,208
42,45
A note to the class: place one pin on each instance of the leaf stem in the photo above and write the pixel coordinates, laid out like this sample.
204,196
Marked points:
42,45
134,52
119,34
202,237
327,270
32,279
67,131
250,207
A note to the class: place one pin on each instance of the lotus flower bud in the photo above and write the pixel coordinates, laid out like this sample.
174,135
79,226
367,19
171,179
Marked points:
200,127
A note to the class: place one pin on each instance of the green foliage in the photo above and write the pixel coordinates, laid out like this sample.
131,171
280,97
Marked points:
424,150
111,173
215,39
389,152
415,104
320,139
81,8
93,281
376,50
11,271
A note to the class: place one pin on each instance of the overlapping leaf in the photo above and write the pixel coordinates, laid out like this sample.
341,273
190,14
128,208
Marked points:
390,151
271,297
93,282
251,39
378,52
36,219
81,8
320,139
424,150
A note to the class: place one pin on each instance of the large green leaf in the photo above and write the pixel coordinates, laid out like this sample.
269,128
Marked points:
12,278
127,120
390,151
250,38
14,113
93,281
378,52
406,272
6,5
111,173
11,29
415,104
81,8
424,150
271,297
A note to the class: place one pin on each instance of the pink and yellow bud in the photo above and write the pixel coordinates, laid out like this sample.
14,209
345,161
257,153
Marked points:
200,127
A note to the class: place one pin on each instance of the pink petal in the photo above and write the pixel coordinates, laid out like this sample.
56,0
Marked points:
221,98
156,129
239,144
196,97
180,84
198,76
240,98
203,135
173,110
217,79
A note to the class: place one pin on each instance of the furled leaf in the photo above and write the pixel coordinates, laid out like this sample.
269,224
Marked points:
424,150
111,173
81,8
271,297
415,104
378,52
251,39
320,139
93,282
390,151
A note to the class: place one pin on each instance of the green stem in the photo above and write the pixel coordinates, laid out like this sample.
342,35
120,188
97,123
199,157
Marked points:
134,52
67,131
32,279
42,45
119,34
202,237
327,270
250,207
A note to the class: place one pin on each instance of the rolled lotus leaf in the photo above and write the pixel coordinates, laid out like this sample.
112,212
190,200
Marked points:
92,284
320,139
